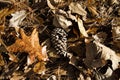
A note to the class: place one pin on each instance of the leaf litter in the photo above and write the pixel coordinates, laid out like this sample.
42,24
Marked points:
92,39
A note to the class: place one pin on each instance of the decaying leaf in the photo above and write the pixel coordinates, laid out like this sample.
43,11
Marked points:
93,37
40,68
72,17
49,3
116,31
1,61
93,11
92,30
61,21
77,8
91,53
55,4
18,76
100,37
29,44
2,28
13,57
114,2
81,28
17,18
108,53
4,13
96,52
6,1
52,77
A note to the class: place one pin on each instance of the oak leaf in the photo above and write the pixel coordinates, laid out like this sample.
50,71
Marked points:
29,44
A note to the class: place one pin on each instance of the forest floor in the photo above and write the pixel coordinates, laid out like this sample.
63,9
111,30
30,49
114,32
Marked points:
59,39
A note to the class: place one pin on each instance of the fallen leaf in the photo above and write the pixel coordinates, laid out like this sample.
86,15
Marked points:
108,53
52,7
77,8
29,44
4,13
2,27
92,30
1,60
93,10
114,2
13,57
17,18
90,2
100,37
97,52
6,1
81,28
17,76
72,17
116,31
61,21
91,53
39,67
52,77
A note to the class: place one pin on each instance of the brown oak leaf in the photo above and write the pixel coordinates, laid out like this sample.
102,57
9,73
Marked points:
29,44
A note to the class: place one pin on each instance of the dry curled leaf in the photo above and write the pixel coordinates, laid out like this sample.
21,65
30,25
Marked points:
29,44
52,7
61,21
81,28
108,53
77,8
97,52
17,18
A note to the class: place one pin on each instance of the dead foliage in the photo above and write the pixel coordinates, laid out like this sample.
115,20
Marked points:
59,39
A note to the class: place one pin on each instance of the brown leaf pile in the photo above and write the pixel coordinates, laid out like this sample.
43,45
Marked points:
29,40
